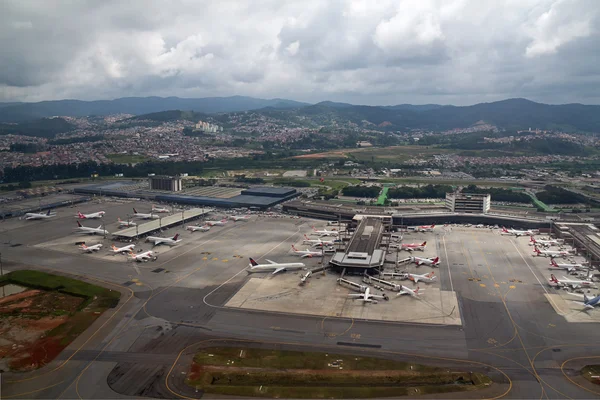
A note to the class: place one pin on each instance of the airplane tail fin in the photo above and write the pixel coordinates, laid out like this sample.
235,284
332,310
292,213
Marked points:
436,260
417,291
83,246
504,229
424,243
432,226
294,248
553,278
79,224
431,274
553,262
176,236
134,210
252,262
80,215
306,237
114,247
49,211
119,219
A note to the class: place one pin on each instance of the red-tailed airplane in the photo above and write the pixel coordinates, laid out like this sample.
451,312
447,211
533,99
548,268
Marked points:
95,215
413,246
422,228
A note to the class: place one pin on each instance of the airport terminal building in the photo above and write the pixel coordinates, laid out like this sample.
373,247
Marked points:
468,203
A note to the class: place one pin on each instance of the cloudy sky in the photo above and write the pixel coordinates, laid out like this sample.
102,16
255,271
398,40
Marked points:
358,51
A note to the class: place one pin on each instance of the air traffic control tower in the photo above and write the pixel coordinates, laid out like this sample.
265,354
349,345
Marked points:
362,252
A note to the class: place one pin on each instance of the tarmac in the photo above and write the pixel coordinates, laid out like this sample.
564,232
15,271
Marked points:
172,307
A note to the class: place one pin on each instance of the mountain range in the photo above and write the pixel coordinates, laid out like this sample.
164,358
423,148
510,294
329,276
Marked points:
505,114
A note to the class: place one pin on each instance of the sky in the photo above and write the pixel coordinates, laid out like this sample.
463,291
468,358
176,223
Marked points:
375,52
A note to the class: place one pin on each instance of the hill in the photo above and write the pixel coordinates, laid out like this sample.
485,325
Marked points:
137,105
45,127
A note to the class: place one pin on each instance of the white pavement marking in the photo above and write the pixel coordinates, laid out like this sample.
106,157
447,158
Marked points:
242,270
448,263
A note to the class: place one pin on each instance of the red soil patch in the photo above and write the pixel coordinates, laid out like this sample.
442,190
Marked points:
19,296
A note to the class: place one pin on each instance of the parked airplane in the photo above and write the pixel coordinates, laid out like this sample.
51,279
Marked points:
587,303
324,232
91,231
551,253
143,257
194,228
124,249
567,267
408,291
237,218
517,233
90,249
95,215
426,261
144,216
422,228
273,266
126,223
160,240
318,242
216,223
306,253
367,297
33,216
413,246
574,283
430,277
156,209
544,243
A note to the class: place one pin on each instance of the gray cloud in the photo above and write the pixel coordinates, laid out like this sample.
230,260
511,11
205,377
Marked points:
361,51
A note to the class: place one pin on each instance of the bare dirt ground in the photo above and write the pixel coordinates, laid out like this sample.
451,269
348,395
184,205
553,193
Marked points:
35,326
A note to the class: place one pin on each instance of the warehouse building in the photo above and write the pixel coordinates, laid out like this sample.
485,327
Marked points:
468,203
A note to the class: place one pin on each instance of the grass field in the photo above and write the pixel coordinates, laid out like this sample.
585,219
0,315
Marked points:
126,158
294,374
379,154
589,371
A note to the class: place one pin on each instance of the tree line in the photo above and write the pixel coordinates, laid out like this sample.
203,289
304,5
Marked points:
422,192
361,191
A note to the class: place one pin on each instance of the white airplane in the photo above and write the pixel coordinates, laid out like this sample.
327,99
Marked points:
324,232
425,261
422,228
273,266
430,277
160,240
95,215
413,246
306,253
216,223
517,233
567,267
408,291
160,209
194,228
126,223
90,249
237,218
367,297
544,243
551,253
33,216
91,231
574,283
587,303
124,249
143,257
144,216
318,242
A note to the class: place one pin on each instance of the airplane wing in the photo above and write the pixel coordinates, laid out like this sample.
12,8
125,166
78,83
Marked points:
306,256
271,262
157,242
281,269
355,295
402,292
415,279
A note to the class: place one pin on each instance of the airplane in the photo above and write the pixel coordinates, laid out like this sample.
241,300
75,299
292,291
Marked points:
124,249
408,291
422,228
367,297
273,266
568,267
91,231
305,277
325,232
413,246
90,249
318,242
517,233
544,243
237,218
430,277
306,253
144,216
574,283
159,209
194,228
95,215
126,223
160,240
33,216
425,261
143,257
216,223
550,253
588,304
